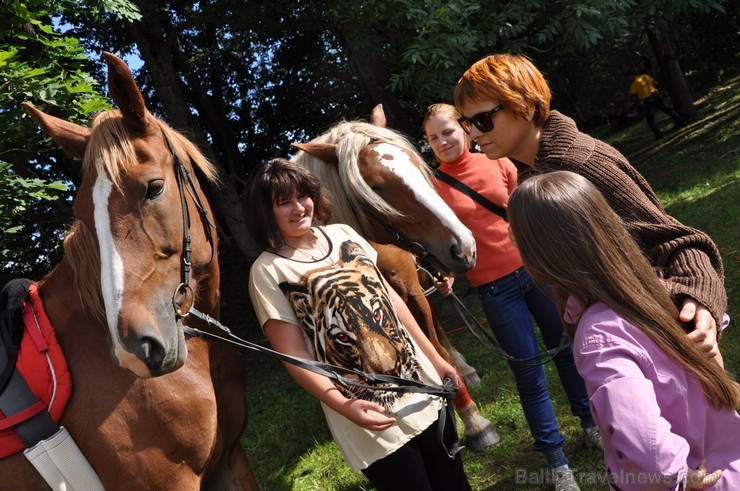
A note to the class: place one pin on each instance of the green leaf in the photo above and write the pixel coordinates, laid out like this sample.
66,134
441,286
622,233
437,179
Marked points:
9,54
34,73
58,185
47,29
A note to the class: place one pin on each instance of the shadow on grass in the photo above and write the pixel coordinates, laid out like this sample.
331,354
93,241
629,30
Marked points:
697,153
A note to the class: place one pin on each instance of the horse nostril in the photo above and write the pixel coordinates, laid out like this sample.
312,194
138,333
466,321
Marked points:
456,250
153,352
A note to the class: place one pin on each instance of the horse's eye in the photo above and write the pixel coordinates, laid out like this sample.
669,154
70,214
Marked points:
154,188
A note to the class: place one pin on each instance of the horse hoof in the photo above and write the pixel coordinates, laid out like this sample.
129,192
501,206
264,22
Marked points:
486,438
471,379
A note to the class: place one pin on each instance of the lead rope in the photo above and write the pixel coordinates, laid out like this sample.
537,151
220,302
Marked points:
497,350
336,373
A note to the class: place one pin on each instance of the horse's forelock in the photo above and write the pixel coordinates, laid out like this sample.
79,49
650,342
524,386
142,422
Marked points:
110,150
359,193
187,149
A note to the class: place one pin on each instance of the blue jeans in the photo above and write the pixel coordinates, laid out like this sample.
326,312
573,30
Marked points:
509,304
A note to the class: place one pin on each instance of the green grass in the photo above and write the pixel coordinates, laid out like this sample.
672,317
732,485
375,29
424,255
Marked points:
696,173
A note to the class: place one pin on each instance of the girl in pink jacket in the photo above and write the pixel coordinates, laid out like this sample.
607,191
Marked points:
667,414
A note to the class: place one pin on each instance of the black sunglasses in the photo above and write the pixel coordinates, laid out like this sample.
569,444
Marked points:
482,121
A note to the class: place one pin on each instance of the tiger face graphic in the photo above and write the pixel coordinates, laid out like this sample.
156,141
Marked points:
348,319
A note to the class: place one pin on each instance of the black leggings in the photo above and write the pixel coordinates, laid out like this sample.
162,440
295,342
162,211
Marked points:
421,465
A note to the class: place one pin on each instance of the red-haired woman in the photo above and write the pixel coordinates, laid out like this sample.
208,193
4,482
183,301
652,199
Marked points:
505,103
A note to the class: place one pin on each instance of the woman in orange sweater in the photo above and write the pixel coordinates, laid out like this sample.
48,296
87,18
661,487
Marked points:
508,295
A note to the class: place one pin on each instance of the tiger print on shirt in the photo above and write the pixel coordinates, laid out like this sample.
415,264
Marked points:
348,319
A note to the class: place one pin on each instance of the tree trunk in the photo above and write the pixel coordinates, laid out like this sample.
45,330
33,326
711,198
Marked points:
670,71
159,47
369,67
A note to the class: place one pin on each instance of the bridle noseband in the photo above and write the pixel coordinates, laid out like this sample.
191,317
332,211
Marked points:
183,294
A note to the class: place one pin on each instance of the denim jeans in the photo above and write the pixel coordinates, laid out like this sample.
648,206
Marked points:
509,304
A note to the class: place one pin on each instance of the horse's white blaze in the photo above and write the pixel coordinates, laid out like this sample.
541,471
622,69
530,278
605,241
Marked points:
400,164
111,265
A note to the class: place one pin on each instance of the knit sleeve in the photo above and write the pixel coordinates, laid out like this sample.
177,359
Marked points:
686,258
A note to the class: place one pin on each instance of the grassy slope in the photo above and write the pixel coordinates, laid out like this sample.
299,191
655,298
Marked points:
696,173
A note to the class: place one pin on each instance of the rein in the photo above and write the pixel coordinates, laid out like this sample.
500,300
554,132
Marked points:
493,345
333,372
339,374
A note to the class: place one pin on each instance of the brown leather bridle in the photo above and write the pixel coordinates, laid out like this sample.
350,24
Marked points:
183,299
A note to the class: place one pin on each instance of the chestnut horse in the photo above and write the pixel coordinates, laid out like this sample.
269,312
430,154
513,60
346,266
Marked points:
150,408
381,186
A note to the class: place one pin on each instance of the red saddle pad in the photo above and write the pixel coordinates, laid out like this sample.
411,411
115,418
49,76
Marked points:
39,354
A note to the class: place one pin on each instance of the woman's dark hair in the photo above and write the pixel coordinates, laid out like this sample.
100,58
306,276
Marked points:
569,237
274,181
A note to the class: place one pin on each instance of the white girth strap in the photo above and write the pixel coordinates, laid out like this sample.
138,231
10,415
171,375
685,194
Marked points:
60,462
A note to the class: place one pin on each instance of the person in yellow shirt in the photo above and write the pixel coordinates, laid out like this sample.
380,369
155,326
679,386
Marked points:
643,87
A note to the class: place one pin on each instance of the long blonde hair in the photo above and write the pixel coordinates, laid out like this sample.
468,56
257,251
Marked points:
569,237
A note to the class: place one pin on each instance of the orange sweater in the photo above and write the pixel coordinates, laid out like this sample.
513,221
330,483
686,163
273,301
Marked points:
494,179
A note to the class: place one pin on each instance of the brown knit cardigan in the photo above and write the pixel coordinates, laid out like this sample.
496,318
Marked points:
687,258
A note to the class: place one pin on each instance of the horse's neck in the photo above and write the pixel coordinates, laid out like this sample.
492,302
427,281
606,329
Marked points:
208,298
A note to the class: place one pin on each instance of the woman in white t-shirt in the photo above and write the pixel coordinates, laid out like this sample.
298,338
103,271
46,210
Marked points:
318,295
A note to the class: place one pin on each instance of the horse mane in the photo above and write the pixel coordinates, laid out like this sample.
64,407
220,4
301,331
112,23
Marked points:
349,192
82,254
110,150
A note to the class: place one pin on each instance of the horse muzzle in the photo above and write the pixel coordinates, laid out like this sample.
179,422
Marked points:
147,353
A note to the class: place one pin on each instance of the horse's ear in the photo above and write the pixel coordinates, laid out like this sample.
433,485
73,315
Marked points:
126,93
71,137
326,152
377,116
